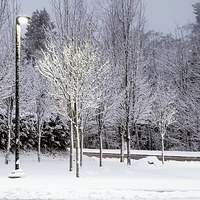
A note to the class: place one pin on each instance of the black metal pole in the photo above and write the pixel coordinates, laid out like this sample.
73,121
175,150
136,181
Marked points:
17,120
17,173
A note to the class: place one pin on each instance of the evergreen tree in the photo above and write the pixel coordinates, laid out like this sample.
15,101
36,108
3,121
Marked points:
35,36
196,32
197,12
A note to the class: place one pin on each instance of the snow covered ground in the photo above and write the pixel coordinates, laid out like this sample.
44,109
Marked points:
144,179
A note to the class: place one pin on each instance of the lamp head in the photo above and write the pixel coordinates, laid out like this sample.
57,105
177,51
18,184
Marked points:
22,19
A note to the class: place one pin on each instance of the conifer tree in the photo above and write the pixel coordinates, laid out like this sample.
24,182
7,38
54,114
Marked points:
35,36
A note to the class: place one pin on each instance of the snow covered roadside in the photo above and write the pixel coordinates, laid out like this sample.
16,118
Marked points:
150,153
144,179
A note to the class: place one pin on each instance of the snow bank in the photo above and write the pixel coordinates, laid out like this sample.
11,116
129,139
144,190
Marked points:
148,162
17,174
149,153
144,179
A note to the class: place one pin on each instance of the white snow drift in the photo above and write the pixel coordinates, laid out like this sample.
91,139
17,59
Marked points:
144,179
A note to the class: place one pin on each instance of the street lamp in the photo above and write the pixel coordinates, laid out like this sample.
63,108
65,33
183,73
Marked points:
17,173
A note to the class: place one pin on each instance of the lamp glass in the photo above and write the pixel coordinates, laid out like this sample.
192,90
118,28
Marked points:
23,20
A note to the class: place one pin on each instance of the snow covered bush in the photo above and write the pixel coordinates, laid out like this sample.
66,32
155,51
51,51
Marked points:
3,132
55,134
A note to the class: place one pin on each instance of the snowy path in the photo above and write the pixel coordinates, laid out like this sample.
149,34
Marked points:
50,179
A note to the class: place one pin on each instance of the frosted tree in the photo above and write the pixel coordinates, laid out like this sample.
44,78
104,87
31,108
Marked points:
192,56
8,11
35,97
34,90
102,111
142,102
164,111
74,73
175,56
153,42
124,23
74,25
164,91
41,108
100,129
7,18
9,102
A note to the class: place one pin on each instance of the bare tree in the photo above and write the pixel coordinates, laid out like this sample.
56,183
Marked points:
3,14
74,26
8,12
75,81
124,24
73,21
164,110
40,110
9,103
175,58
100,132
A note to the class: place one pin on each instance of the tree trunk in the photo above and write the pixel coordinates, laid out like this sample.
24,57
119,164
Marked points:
71,135
162,138
128,148
126,31
100,143
81,139
101,149
107,146
77,143
99,123
121,133
81,147
137,138
9,122
39,138
71,146
149,132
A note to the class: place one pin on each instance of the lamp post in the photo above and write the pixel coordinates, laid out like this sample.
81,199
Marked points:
17,173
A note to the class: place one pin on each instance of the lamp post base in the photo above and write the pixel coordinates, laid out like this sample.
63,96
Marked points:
17,174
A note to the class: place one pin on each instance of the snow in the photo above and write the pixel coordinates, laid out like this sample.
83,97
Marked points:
18,173
151,153
146,178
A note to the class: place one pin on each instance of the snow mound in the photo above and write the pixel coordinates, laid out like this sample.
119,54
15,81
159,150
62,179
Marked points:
148,162
18,173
